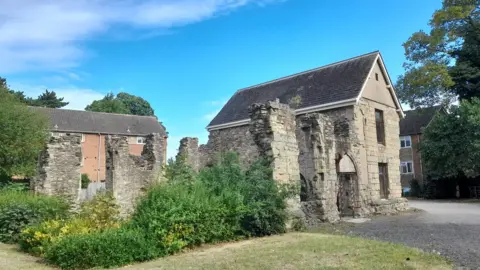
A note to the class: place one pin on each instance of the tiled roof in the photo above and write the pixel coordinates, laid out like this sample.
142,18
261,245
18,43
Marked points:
97,122
332,83
417,119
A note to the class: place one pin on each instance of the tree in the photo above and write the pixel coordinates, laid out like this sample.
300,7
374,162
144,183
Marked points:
135,105
450,145
22,135
429,55
108,104
466,72
49,99
122,103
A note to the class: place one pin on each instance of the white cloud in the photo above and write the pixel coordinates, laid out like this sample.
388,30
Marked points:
78,98
48,34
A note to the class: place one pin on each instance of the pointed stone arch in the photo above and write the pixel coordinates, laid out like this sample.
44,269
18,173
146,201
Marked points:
346,165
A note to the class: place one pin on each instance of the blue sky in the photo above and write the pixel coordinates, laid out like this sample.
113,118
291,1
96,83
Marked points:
187,57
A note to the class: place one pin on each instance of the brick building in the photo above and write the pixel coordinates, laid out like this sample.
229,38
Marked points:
94,126
411,129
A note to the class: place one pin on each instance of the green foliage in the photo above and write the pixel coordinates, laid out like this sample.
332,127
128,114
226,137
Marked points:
37,238
466,72
415,189
110,248
108,104
178,171
22,137
85,180
122,103
49,99
429,55
451,144
135,105
99,214
21,209
222,203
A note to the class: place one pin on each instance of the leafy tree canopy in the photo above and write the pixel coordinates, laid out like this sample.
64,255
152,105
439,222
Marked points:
427,80
123,103
47,99
451,144
22,137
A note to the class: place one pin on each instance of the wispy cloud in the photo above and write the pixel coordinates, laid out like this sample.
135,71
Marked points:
215,106
78,98
49,34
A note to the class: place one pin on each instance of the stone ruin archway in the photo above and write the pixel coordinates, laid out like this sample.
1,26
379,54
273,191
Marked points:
347,182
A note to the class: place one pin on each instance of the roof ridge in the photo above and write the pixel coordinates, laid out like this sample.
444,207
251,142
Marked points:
73,110
307,71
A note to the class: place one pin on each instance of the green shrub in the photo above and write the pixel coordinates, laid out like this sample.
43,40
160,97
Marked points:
37,238
110,248
85,180
98,214
20,209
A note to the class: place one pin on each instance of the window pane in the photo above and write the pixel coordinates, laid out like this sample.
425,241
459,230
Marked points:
409,167
402,143
407,143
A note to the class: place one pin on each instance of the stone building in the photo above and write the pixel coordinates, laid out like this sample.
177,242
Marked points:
119,151
334,129
411,129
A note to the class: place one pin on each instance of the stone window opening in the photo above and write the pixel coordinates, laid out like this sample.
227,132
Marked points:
303,189
406,167
347,185
376,76
380,125
406,142
141,140
383,178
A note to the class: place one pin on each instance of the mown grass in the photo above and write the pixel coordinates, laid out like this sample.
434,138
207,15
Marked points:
289,251
302,251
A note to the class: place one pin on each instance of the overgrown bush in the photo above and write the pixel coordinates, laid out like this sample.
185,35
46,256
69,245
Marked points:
221,203
21,209
96,215
85,180
110,248
415,189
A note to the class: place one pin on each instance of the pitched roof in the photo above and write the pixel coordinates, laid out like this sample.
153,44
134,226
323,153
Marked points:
98,122
328,84
417,119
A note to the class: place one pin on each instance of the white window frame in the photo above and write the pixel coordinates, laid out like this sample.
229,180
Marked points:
404,165
83,138
141,140
406,139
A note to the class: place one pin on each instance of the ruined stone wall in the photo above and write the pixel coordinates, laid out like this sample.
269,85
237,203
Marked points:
127,176
189,150
323,139
272,127
59,166
235,139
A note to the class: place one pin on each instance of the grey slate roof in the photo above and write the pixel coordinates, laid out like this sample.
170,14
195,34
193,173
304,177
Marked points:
97,122
417,119
335,82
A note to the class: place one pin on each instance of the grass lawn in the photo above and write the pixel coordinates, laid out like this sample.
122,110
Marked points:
302,251
289,251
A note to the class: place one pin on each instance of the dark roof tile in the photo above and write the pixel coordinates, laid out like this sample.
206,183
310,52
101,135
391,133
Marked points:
415,120
327,84
97,122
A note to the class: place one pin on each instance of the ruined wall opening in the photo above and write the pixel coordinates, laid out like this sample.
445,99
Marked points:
347,186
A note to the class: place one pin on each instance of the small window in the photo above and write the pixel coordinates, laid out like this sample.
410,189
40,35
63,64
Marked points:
405,142
380,127
141,140
383,178
376,76
83,137
406,167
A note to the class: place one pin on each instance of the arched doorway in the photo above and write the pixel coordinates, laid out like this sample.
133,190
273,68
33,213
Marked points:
347,183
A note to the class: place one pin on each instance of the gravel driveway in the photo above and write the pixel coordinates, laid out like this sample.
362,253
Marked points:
452,229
